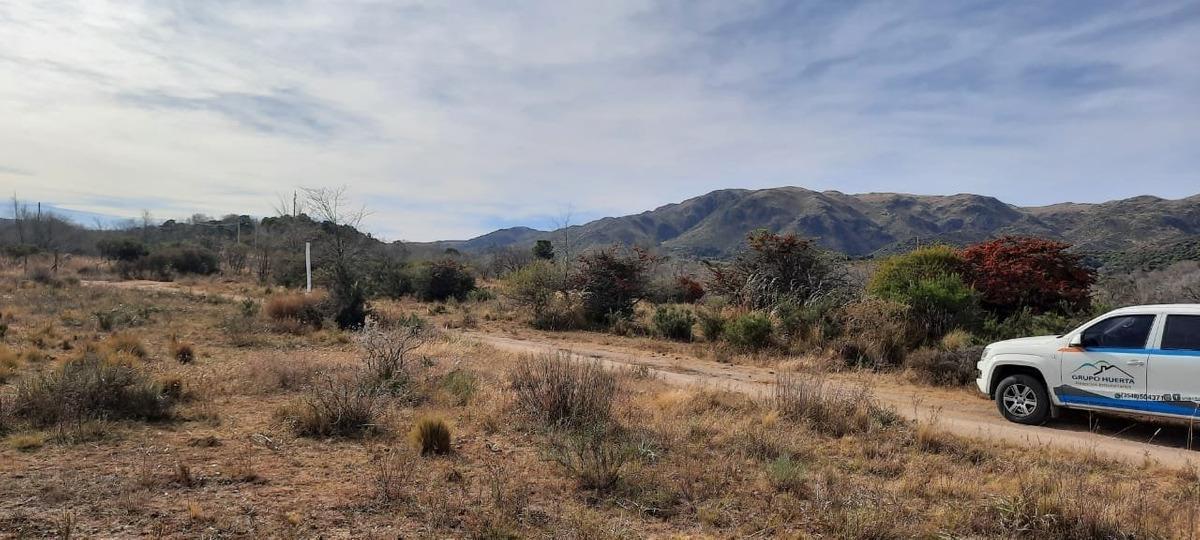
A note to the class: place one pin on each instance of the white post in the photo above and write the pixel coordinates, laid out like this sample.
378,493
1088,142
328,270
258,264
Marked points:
308,264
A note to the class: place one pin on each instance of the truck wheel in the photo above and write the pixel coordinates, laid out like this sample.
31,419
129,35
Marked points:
1023,399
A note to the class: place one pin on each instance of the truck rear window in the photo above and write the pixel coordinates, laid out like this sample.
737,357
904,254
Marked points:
1182,332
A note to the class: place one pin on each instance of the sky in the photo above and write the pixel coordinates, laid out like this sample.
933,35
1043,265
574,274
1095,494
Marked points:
449,119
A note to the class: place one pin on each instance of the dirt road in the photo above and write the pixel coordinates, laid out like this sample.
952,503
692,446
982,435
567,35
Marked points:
955,411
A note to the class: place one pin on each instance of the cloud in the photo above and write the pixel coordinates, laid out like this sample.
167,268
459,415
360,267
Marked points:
286,112
448,119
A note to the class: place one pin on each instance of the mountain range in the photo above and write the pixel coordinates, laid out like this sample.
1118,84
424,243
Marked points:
715,224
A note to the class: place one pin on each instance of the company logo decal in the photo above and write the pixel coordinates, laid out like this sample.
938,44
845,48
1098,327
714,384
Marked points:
1102,373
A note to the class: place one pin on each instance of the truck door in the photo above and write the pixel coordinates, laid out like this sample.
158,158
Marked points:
1175,366
1108,367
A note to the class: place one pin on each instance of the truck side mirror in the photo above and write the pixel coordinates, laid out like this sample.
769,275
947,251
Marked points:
1076,341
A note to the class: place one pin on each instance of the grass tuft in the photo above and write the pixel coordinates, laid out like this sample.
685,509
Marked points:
431,436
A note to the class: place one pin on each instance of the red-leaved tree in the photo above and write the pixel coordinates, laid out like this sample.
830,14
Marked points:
1016,272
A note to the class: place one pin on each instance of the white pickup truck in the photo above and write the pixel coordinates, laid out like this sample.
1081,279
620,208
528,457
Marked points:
1142,360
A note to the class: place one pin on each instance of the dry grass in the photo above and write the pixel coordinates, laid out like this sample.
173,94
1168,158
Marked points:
89,387
294,311
10,363
280,373
182,351
558,390
431,436
125,343
814,461
830,409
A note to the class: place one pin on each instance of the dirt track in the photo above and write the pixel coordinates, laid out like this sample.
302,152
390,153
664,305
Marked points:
955,411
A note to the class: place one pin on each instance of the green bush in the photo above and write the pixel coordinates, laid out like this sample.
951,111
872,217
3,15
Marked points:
674,322
712,322
122,249
164,263
443,280
929,281
391,280
751,331
1027,323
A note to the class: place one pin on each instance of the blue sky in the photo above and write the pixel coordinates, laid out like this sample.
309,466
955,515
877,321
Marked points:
449,119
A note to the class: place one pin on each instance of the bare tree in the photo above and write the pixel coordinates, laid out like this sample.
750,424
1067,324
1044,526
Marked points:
332,207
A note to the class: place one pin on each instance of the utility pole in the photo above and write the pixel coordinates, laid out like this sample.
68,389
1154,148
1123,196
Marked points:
308,265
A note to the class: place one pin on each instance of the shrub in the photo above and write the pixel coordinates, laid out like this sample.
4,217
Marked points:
391,280
751,331
43,276
837,411
347,298
336,405
777,268
676,290
674,322
480,295
393,468
876,333
386,355
543,249
564,312
89,388
943,367
442,280
558,390
1028,323
929,281
533,284
431,436
712,322
612,282
594,456
1013,273
122,249
300,308
164,263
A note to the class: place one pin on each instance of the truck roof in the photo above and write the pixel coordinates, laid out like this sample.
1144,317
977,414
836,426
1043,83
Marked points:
1163,308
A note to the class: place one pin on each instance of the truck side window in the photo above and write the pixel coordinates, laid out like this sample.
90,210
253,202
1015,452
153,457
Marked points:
1182,333
1121,332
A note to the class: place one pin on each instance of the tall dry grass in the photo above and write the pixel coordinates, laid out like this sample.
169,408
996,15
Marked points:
557,390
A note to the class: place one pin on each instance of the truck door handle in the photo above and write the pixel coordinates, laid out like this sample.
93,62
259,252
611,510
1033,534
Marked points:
1136,362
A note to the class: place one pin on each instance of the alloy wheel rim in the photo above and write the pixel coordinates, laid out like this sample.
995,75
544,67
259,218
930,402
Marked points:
1020,399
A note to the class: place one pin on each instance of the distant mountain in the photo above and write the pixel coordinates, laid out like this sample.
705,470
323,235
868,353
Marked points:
714,225
79,217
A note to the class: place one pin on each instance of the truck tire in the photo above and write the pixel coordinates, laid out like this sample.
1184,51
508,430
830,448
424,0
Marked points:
1023,399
